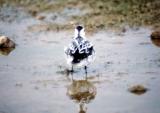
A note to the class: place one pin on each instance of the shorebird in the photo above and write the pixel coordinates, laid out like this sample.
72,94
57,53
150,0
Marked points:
80,51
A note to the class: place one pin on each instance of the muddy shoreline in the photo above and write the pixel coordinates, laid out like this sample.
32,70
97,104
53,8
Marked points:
95,15
33,77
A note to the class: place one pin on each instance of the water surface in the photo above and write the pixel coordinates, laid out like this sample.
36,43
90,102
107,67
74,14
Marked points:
33,78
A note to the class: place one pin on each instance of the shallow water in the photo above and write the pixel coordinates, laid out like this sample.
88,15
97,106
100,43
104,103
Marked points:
33,77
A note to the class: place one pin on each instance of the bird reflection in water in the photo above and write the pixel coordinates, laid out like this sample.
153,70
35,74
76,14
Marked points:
82,92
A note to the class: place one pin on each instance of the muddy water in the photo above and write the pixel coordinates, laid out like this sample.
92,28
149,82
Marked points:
33,77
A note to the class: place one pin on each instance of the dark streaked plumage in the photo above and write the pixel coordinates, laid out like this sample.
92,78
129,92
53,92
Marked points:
80,52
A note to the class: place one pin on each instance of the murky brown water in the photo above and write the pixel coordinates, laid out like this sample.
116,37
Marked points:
33,78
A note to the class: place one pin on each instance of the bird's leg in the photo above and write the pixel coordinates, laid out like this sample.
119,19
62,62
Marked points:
72,77
72,69
85,67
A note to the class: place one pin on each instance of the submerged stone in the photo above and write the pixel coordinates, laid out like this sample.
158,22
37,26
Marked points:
5,42
155,38
155,34
138,89
5,51
40,17
156,42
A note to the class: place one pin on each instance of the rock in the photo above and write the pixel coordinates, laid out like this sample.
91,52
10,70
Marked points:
33,12
19,85
5,51
138,89
155,38
156,41
5,42
155,34
40,17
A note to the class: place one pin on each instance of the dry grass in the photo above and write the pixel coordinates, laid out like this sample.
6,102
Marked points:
102,13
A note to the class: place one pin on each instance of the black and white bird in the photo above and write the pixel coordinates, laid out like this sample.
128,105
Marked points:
80,51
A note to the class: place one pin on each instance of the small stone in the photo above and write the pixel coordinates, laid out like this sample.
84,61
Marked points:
5,51
155,34
19,85
5,42
124,30
156,41
72,22
40,17
36,88
33,12
138,89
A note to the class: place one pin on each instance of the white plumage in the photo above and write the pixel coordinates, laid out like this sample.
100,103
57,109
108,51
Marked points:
80,51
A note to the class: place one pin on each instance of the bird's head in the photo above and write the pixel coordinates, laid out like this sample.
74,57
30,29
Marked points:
79,28
79,31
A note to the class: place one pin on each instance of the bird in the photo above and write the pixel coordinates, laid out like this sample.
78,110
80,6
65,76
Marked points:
80,52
